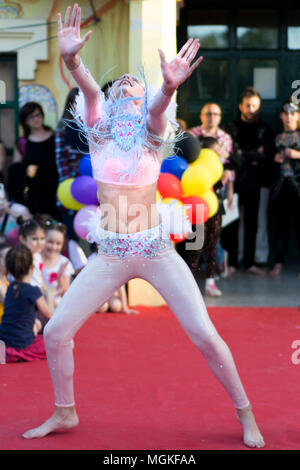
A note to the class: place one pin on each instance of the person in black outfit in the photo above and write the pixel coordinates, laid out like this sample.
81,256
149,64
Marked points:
254,150
284,208
36,167
70,147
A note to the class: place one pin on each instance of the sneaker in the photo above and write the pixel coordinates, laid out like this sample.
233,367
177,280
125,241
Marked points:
2,353
213,291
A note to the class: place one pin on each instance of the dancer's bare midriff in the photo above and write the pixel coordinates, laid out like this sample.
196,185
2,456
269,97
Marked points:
127,208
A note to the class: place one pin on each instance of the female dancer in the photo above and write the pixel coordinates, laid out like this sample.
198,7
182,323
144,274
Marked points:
126,165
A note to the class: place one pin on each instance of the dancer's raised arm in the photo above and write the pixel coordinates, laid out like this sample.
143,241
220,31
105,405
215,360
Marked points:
174,74
70,44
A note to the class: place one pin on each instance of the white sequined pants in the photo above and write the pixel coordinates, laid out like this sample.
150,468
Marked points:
97,282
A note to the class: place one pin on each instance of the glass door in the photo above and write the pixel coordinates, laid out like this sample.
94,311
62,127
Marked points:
241,47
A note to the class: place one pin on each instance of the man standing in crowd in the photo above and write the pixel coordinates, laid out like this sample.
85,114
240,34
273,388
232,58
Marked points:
210,117
254,150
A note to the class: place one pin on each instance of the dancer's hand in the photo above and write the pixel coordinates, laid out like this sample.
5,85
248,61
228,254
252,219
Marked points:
179,69
69,39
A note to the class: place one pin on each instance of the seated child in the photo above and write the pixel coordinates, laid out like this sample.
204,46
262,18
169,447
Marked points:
22,301
9,215
57,268
32,234
3,276
117,303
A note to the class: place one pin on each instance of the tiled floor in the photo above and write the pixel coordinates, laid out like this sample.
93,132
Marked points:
247,290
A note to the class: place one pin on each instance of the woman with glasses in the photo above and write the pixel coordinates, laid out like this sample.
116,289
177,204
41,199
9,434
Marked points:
35,167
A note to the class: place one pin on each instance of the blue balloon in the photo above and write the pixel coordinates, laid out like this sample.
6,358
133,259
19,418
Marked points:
174,165
85,166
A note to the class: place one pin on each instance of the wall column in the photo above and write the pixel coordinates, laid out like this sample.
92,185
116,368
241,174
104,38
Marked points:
152,25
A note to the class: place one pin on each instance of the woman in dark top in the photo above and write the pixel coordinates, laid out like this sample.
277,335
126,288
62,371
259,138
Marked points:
36,153
285,189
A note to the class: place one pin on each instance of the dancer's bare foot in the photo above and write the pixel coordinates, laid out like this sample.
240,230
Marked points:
62,419
252,435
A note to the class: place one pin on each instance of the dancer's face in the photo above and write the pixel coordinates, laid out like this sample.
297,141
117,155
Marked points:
127,86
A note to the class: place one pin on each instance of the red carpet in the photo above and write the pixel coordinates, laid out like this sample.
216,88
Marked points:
141,384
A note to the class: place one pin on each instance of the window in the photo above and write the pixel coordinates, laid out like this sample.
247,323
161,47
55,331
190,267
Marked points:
257,29
293,30
211,27
260,73
211,80
8,105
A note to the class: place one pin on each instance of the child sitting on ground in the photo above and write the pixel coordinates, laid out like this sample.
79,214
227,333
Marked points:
18,330
32,234
57,268
3,276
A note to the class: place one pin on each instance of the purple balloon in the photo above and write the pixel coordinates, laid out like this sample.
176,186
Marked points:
84,190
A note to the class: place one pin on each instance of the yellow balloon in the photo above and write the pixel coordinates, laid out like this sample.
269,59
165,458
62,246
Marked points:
168,200
211,160
158,196
65,197
196,180
212,201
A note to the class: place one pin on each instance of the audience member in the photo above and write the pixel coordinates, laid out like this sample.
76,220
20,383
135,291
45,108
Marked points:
210,117
2,160
182,127
212,230
32,234
35,169
57,268
254,146
117,303
9,216
285,189
3,276
22,300
70,146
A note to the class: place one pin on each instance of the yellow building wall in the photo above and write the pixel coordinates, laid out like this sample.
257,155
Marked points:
105,54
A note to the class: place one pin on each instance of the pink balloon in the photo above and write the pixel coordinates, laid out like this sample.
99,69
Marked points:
83,216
